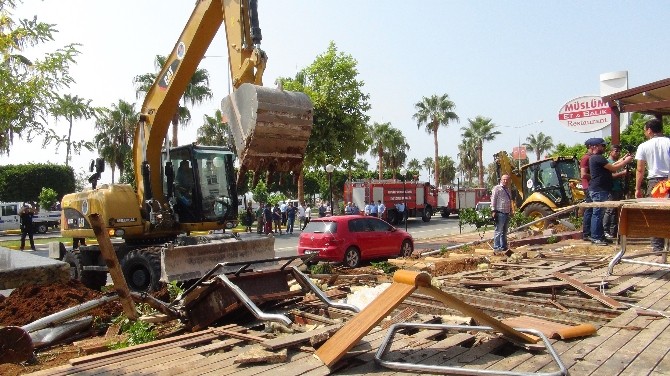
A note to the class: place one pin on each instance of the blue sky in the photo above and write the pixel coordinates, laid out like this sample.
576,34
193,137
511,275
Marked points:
515,62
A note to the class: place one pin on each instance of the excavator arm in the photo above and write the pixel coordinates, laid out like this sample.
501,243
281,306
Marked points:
246,62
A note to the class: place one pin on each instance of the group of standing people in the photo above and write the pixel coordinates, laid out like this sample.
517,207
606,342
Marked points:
603,178
271,219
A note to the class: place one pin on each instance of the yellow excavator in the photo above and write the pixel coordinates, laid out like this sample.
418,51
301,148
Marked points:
542,187
191,188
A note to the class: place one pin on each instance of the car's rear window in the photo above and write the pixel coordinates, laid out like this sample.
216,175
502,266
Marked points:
317,227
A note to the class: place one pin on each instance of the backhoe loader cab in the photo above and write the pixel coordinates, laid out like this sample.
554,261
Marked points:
204,184
542,187
552,178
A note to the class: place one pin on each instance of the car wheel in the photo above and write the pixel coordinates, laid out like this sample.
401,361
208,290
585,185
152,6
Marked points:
352,257
42,228
406,249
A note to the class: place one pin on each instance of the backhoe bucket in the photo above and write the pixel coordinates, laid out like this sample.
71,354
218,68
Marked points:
271,127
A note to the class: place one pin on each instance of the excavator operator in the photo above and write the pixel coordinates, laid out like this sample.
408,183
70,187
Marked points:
184,183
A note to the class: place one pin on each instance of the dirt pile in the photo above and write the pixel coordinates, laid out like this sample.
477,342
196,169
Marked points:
29,303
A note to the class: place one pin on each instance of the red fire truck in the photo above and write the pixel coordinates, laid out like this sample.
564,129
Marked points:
418,198
450,200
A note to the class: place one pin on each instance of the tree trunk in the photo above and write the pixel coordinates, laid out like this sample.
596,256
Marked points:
380,153
175,129
301,188
437,160
480,163
69,144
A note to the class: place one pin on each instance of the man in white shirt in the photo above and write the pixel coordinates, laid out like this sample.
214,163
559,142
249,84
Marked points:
652,155
308,215
381,208
301,215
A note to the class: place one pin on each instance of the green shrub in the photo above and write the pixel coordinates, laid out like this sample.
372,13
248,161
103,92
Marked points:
25,182
47,198
384,266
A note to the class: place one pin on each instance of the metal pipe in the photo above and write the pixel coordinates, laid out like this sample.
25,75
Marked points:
67,314
319,294
251,305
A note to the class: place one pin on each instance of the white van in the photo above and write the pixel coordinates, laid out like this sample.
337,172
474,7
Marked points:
43,220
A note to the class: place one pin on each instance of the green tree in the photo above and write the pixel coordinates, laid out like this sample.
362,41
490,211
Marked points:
340,130
380,134
71,108
115,128
197,91
481,129
28,86
433,112
214,132
396,153
428,164
467,159
47,198
260,192
414,166
447,170
539,144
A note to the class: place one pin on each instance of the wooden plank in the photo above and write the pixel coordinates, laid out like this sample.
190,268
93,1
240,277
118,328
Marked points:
595,294
295,339
643,340
479,315
112,262
560,268
404,283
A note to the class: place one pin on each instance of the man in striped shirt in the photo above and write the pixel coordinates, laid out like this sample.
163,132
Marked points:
501,210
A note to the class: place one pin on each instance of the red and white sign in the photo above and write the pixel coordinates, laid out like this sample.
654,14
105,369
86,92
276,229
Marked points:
519,153
585,114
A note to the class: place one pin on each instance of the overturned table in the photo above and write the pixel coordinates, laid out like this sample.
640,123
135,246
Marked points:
639,218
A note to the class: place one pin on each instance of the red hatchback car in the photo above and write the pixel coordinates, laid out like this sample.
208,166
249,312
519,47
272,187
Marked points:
352,238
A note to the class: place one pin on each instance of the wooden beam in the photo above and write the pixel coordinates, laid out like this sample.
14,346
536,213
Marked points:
606,300
112,262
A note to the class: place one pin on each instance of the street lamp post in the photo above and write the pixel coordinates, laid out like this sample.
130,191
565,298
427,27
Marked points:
403,172
329,169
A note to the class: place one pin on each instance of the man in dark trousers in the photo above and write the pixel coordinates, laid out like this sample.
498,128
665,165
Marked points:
600,186
26,215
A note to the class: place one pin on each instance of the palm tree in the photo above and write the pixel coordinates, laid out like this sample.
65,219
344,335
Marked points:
414,166
396,150
539,144
433,112
71,108
197,91
215,132
481,129
467,159
116,127
428,164
447,169
380,134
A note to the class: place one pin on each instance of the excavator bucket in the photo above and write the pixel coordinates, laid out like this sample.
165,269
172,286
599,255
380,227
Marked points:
271,127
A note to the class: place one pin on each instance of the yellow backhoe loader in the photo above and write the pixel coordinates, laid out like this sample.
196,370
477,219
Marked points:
191,188
542,187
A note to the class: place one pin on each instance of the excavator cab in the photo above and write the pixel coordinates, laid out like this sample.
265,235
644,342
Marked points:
199,182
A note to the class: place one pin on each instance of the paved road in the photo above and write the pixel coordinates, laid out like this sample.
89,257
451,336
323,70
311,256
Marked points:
286,245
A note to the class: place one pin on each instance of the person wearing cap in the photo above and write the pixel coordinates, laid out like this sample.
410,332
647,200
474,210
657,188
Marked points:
611,218
584,170
653,156
600,185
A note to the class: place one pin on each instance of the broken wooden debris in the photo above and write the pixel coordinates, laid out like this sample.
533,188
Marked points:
257,354
589,291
